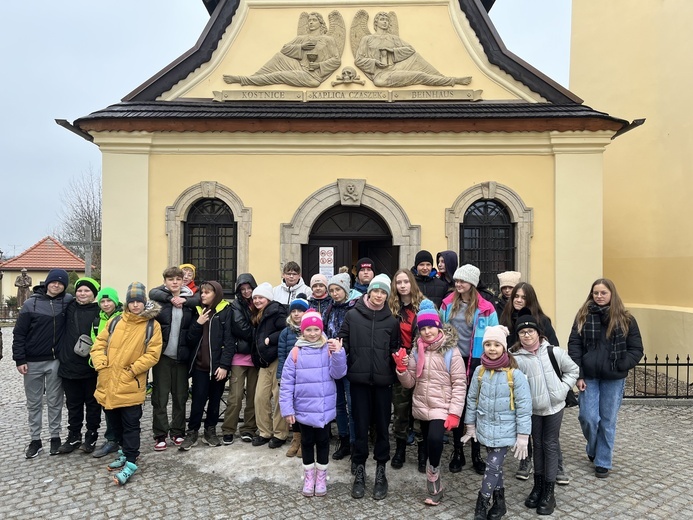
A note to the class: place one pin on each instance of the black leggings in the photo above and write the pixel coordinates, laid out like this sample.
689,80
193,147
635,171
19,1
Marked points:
312,440
432,432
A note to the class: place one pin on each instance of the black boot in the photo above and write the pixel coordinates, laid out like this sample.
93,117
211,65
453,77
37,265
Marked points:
422,456
72,442
89,443
498,508
481,507
380,487
343,450
477,461
400,455
358,489
548,500
457,460
535,495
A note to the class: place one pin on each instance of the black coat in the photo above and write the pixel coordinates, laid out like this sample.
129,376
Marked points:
432,287
370,338
271,325
221,339
241,325
80,319
164,318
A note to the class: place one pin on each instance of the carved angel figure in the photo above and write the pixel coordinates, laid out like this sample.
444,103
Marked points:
388,60
307,60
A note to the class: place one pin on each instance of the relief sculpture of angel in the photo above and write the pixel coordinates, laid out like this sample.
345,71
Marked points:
388,60
307,60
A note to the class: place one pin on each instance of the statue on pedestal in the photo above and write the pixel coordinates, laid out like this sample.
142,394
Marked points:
23,285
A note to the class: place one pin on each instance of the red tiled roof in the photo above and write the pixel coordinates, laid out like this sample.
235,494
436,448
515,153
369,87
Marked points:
45,254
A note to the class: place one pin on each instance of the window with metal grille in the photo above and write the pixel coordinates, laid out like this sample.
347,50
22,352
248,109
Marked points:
210,243
487,240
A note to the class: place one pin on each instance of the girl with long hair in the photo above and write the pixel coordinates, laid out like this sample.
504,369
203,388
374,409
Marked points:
523,296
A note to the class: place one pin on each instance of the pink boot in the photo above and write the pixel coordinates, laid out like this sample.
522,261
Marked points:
308,480
321,480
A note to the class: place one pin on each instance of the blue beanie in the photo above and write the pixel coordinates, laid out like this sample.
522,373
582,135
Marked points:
299,303
58,275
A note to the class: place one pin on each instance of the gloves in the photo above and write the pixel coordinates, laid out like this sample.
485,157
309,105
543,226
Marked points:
452,422
520,448
399,359
470,434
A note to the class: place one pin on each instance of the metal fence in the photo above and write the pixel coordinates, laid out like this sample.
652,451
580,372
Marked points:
668,378
8,313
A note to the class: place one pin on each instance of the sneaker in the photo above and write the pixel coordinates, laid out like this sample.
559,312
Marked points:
34,448
259,440
189,441
55,446
124,474
247,437
106,448
72,442
228,439
177,440
160,444
89,444
524,469
118,463
274,442
562,477
150,387
601,472
210,437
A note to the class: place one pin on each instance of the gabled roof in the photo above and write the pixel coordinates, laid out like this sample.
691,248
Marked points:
224,10
48,253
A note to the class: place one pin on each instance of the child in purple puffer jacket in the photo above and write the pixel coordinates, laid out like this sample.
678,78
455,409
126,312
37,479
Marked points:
308,396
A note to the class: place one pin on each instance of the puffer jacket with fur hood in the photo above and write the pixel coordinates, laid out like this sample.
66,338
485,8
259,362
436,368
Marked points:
439,391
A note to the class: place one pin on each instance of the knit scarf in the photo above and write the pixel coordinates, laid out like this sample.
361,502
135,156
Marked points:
533,347
496,364
598,317
372,306
423,346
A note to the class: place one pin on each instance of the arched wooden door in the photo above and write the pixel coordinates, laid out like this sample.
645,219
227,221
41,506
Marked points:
349,233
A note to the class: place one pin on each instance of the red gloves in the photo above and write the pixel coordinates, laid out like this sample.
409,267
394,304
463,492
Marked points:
399,359
452,422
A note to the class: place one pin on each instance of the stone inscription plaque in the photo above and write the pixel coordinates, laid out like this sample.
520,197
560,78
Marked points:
347,95
436,95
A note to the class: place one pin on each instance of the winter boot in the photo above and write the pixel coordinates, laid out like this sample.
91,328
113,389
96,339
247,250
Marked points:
210,437
422,456
343,450
118,463
358,489
380,487
124,474
482,503
498,508
535,495
295,445
308,480
457,460
434,486
89,444
320,480
71,443
548,499
477,461
524,469
400,455
189,441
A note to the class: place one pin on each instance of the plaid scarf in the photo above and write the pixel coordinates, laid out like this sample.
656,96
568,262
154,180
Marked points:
598,317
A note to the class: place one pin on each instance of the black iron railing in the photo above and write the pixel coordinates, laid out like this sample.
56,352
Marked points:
668,378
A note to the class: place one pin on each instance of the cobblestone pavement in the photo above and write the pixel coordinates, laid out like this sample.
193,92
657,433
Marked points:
653,468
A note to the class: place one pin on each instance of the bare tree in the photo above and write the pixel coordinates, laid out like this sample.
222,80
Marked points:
80,216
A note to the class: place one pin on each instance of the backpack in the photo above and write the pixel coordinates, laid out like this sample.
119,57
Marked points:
294,354
147,335
447,356
511,384
570,399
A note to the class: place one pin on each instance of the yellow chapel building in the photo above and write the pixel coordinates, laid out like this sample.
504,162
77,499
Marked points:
321,131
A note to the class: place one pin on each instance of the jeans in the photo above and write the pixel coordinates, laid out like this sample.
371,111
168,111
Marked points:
599,404
206,390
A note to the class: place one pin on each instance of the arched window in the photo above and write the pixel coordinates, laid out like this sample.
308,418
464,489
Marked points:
210,242
487,240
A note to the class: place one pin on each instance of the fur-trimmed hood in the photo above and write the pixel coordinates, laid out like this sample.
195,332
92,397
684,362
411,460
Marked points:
450,339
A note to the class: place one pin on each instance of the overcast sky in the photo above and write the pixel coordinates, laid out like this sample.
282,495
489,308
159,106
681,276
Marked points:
64,60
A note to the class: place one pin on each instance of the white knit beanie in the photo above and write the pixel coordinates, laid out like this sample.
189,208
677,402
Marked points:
509,279
468,273
342,280
381,281
264,290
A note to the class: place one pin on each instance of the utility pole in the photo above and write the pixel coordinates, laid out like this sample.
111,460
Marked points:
88,245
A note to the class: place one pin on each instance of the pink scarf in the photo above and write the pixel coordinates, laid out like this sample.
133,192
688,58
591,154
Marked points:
371,306
496,364
533,347
422,346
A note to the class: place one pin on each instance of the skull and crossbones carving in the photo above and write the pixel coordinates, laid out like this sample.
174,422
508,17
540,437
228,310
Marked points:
348,76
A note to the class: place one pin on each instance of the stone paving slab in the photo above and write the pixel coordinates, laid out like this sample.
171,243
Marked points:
653,468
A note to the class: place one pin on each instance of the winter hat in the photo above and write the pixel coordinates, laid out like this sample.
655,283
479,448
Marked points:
381,281
318,278
342,280
110,293
58,275
363,263
468,273
423,256
525,320
299,303
428,316
497,333
264,290
189,266
137,292
89,283
311,319
509,279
